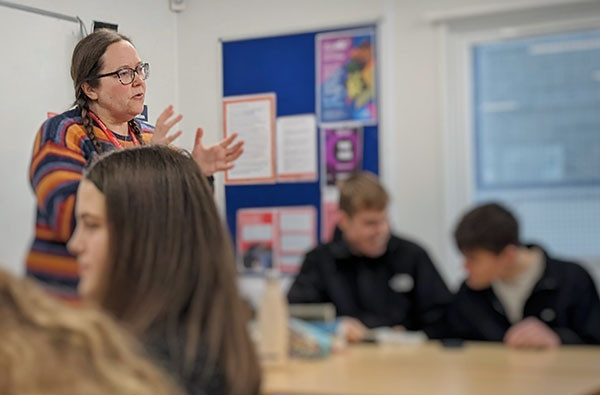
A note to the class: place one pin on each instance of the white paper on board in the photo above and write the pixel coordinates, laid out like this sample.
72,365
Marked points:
297,148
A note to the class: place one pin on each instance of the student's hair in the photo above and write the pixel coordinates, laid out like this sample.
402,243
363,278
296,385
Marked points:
51,348
362,191
86,64
172,263
490,227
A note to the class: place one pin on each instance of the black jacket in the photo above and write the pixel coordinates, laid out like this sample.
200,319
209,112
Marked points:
564,298
402,287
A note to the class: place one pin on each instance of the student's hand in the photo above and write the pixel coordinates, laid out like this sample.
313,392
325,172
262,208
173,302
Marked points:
531,332
164,123
353,330
217,157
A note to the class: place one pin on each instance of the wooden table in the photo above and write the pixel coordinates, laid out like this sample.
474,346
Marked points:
475,368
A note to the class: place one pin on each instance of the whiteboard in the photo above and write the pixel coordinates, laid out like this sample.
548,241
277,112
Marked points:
34,80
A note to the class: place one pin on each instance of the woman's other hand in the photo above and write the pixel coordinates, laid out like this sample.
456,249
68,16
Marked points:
164,123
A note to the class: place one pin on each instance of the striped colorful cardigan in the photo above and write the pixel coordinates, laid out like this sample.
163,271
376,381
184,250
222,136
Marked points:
61,152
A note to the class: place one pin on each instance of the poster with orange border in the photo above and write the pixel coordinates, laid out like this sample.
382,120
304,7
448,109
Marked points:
275,238
252,117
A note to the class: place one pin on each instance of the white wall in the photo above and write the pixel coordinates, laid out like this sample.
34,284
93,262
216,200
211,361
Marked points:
151,26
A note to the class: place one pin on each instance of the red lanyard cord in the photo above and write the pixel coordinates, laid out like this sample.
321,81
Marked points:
110,134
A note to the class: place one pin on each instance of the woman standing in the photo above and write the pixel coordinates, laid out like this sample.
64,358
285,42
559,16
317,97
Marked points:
110,86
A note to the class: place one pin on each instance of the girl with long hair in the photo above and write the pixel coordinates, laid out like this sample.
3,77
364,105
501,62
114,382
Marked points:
153,251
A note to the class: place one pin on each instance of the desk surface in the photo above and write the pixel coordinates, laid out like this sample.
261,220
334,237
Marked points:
475,368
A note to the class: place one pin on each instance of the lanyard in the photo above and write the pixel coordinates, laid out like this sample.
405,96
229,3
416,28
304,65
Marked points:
110,134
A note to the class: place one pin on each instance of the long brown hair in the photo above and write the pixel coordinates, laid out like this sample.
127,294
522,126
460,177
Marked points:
86,64
172,263
49,347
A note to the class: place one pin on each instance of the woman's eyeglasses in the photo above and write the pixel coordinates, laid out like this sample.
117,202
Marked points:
127,74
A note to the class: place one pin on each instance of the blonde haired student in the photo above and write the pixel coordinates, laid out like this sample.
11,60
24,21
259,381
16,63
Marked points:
372,277
50,348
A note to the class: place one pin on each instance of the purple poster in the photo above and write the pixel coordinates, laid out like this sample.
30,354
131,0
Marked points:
343,153
346,76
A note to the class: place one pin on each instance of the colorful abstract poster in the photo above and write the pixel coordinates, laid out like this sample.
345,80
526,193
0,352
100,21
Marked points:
342,153
346,77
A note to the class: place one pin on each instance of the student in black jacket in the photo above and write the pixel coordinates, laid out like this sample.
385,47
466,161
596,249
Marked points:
373,278
517,293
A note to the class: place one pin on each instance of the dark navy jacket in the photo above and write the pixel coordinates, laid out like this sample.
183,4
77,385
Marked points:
564,298
402,287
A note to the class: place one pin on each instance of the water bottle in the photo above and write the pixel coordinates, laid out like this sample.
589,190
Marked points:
273,323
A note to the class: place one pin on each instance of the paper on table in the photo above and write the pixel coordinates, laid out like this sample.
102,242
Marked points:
398,336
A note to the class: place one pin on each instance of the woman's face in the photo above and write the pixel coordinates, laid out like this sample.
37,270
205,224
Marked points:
90,241
111,99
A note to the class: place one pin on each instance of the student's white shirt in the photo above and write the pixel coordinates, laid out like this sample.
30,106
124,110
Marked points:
515,293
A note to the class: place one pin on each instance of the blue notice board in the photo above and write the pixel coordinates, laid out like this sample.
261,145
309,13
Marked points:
284,65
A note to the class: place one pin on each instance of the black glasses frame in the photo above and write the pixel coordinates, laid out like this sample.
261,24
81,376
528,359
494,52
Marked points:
143,70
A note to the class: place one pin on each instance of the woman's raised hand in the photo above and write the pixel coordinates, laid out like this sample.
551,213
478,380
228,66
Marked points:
164,123
217,157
